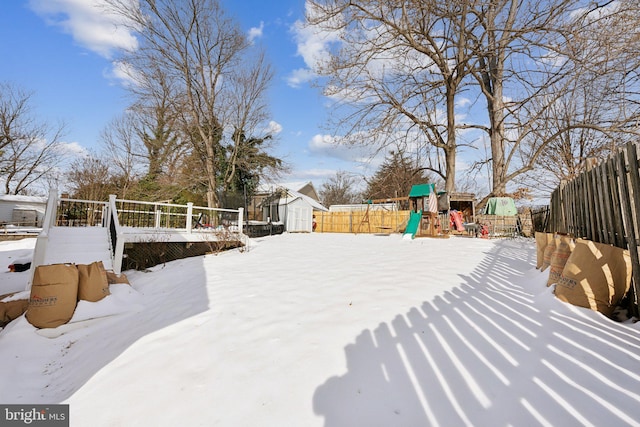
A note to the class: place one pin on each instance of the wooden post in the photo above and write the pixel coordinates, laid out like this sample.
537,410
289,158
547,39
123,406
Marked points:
631,242
433,217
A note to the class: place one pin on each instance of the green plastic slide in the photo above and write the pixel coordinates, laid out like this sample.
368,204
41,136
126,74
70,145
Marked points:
413,224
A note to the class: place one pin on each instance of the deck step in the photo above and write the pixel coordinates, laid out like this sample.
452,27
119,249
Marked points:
78,245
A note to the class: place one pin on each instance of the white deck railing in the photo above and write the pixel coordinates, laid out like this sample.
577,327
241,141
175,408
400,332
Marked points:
133,219
139,214
136,220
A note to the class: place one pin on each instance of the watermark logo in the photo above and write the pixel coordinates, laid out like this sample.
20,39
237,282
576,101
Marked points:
36,300
34,415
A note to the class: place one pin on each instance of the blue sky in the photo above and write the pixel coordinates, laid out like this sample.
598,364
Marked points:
61,51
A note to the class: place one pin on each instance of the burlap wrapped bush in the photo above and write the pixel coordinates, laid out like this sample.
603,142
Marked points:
10,310
92,282
548,251
54,295
596,276
564,247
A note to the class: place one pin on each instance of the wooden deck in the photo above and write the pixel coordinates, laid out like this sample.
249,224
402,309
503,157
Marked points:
121,223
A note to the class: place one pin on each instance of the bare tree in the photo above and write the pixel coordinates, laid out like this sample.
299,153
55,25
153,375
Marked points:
246,157
339,190
90,178
402,66
571,148
30,149
397,73
198,49
529,59
124,149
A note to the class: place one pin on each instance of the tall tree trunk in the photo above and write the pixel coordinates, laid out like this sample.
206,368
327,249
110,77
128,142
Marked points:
450,145
498,165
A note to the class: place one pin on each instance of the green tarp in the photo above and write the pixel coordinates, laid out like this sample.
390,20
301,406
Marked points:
503,206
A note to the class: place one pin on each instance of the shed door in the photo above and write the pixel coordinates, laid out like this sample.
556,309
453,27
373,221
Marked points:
299,219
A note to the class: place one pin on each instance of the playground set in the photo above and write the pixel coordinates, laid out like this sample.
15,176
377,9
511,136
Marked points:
439,214
425,212
425,205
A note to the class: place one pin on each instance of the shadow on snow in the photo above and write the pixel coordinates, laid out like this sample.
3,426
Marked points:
497,350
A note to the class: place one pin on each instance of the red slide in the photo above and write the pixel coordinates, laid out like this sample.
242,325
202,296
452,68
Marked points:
456,217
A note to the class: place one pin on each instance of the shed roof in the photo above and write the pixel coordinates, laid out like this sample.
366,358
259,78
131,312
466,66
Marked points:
294,195
22,199
305,188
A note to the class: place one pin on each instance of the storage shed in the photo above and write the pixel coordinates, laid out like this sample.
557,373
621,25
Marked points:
22,211
283,205
295,210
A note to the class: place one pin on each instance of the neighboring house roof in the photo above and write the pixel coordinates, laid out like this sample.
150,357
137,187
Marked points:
363,207
309,190
305,188
23,199
294,195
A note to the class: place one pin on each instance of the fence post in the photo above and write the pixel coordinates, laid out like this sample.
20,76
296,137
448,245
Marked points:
42,241
240,219
629,226
189,217
634,175
118,250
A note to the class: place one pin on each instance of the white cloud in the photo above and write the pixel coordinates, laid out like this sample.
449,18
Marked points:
122,72
65,149
335,147
462,101
313,46
72,149
321,142
313,41
274,128
88,23
255,32
316,173
300,76
596,13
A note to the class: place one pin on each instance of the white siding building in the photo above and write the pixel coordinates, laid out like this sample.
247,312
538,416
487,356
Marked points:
296,211
292,208
24,211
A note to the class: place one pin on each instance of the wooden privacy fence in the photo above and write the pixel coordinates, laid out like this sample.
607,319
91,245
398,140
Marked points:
392,221
603,205
372,221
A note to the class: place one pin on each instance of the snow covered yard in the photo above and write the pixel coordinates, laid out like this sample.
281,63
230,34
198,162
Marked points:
334,330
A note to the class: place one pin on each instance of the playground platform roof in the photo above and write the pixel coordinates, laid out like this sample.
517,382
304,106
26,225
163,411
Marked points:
422,190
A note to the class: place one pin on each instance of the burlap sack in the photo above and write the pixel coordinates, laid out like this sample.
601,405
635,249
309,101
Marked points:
564,247
114,278
92,282
548,251
596,276
53,295
10,310
541,244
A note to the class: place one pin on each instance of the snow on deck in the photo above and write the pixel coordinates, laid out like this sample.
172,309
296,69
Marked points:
78,245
